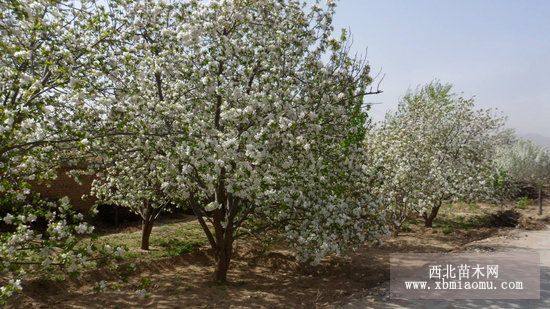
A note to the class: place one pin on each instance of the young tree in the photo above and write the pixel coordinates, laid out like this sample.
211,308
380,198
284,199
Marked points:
525,163
41,47
435,148
133,182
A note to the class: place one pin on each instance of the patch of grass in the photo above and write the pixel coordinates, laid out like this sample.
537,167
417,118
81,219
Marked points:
472,207
447,229
501,218
145,282
175,247
125,270
460,222
406,228
167,240
523,202
464,216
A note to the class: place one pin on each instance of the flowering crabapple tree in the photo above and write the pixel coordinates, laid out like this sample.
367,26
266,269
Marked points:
254,109
129,100
525,163
271,119
40,47
435,148
269,125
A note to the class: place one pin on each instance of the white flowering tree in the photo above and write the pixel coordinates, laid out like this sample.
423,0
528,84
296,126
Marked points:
272,126
128,104
435,148
41,46
525,163
251,109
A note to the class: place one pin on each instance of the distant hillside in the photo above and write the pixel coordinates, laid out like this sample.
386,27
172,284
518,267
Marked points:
537,138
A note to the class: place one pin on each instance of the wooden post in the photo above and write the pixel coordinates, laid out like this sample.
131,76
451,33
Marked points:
540,200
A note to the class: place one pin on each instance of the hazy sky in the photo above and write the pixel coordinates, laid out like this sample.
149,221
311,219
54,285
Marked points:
497,50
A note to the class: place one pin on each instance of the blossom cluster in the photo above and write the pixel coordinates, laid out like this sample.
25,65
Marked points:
46,240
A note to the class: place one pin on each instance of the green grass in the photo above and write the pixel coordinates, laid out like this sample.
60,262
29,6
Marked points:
523,202
463,216
406,227
447,229
449,223
145,282
176,247
167,240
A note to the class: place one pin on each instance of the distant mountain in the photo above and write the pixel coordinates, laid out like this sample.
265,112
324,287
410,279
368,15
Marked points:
537,138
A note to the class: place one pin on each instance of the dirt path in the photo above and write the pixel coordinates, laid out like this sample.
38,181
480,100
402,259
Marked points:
538,241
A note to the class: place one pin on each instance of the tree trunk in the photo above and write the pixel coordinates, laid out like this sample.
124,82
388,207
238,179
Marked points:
224,222
146,228
224,243
429,218
540,200
147,220
223,259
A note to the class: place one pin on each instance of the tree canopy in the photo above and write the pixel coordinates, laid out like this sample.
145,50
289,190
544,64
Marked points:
437,147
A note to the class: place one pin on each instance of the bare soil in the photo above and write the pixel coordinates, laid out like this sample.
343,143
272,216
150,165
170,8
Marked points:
258,279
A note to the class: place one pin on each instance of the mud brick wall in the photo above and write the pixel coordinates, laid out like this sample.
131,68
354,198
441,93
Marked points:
64,185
